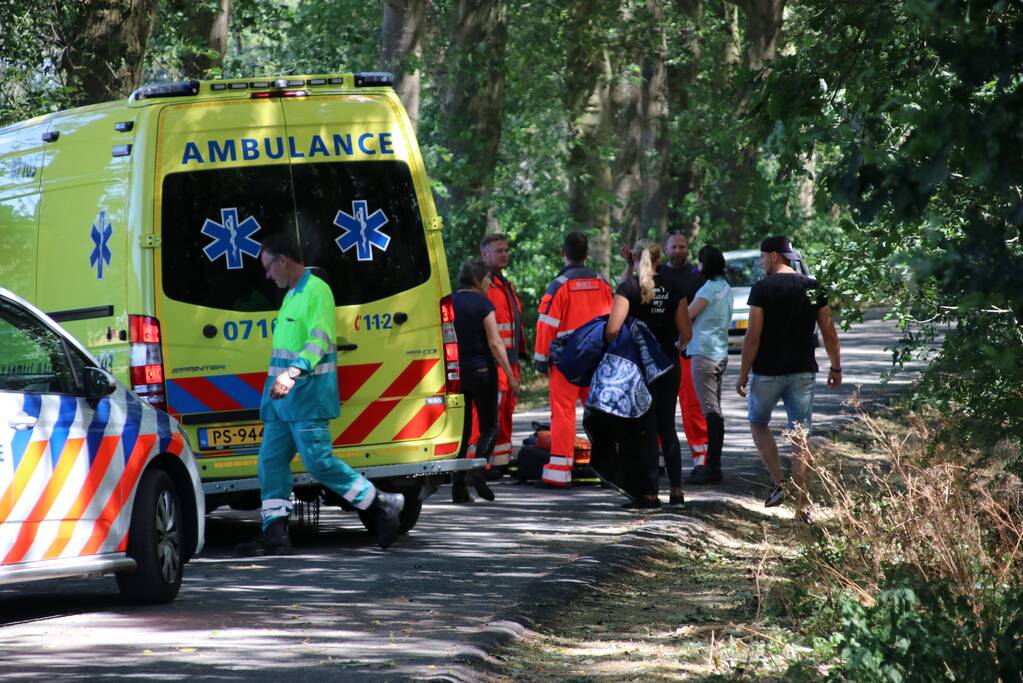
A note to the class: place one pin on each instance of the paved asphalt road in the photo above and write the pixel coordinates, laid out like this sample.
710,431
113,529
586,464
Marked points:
344,610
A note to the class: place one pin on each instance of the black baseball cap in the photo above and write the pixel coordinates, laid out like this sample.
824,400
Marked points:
779,244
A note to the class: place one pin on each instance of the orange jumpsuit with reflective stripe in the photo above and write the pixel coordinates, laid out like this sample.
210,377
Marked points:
508,312
575,297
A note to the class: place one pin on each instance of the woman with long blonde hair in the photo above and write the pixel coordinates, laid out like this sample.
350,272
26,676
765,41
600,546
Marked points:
664,310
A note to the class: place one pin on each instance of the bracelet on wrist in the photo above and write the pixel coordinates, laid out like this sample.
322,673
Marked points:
835,370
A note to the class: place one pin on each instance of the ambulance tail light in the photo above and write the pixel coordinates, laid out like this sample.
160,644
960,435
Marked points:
452,376
145,365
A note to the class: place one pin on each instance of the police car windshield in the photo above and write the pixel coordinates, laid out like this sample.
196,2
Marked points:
358,224
743,272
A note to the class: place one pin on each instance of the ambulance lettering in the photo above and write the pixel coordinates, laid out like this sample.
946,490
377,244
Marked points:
101,232
362,230
373,321
254,149
231,239
249,328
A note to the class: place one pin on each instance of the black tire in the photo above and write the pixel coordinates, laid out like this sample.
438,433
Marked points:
155,543
406,519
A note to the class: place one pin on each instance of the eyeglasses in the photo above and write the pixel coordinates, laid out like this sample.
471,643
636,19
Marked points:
270,263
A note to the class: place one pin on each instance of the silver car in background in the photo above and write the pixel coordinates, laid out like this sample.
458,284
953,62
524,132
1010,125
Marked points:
742,269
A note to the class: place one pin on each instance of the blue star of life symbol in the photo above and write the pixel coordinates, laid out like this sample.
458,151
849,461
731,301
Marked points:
101,232
362,230
231,239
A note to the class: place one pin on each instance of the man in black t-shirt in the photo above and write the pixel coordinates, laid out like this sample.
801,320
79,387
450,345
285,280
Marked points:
779,349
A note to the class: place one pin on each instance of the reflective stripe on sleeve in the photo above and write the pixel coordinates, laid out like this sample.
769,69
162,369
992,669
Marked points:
324,368
284,353
320,334
540,357
314,349
548,320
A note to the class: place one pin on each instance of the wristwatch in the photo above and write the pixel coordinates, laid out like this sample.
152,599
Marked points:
294,373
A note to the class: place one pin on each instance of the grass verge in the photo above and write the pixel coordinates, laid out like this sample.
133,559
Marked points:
885,587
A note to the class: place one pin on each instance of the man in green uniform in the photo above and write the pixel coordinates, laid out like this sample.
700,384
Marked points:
300,397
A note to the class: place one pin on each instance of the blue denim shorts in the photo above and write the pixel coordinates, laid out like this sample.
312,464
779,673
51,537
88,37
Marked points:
795,391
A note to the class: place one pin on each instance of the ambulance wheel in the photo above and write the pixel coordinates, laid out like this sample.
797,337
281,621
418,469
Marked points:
406,519
154,542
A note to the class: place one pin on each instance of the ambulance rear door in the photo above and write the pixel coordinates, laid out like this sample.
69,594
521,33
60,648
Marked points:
361,222
223,185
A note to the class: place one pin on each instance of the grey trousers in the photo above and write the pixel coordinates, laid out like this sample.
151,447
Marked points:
707,376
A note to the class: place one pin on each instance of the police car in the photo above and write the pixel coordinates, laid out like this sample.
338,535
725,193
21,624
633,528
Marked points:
92,479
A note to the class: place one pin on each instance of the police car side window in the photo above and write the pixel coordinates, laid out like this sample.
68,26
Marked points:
34,357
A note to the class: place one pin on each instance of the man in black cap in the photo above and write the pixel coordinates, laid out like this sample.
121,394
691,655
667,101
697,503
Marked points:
779,349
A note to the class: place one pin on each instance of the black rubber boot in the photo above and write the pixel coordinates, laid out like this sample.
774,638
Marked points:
711,472
459,489
386,513
273,541
478,481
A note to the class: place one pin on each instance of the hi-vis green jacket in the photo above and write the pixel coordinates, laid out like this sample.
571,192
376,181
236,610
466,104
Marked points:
305,338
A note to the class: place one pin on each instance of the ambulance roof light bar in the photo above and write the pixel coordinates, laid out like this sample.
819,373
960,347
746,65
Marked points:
175,89
373,79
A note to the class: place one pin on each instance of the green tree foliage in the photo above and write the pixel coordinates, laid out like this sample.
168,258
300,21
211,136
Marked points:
918,107
882,136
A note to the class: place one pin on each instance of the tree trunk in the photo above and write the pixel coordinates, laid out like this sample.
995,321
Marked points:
763,26
656,158
104,49
807,186
472,105
587,97
731,51
211,33
685,176
401,50
627,170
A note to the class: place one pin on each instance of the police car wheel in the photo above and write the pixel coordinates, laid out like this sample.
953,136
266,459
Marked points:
154,542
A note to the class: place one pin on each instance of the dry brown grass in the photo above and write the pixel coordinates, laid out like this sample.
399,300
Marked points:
926,510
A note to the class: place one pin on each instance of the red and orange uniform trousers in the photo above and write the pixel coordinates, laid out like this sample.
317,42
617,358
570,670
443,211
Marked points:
572,299
693,421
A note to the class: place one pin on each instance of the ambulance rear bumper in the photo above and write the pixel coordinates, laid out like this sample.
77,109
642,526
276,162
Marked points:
410,470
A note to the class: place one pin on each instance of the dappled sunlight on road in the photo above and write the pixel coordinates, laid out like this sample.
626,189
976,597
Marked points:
342,609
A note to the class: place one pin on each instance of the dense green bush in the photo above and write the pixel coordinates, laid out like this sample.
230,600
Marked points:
921,631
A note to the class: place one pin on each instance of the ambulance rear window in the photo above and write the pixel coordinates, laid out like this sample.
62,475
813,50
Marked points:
212,226
358,224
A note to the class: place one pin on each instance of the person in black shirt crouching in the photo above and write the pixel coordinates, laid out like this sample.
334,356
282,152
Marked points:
479,345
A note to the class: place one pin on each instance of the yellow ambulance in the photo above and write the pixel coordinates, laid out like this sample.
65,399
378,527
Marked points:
137,225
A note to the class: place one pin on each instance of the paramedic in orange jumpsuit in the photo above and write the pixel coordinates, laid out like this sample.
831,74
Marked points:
495,251
573,298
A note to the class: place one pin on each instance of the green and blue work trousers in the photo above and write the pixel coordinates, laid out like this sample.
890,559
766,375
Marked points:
311,438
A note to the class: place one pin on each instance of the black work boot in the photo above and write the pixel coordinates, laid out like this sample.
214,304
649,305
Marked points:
273,541
478,481
711,472
460,490
386,513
